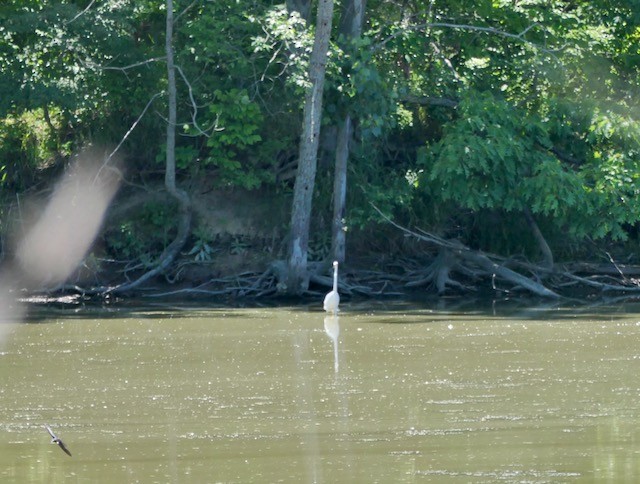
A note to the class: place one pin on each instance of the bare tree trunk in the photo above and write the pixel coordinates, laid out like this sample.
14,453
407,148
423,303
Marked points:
350,27
184,202
352,18
338,227
297,277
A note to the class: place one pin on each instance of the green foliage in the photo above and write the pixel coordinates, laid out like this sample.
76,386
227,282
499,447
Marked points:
362,91
488,157
143,235
496,156
247,109
612,171
51,51
546,118
64,56
286,41
390,188
125,242
237,121
29,145
202,250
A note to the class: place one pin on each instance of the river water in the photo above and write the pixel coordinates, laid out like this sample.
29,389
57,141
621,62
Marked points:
397,393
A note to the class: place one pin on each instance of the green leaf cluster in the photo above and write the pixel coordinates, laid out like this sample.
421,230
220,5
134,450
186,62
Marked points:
237,121
496,156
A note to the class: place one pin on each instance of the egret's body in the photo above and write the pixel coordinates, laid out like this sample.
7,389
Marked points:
332,299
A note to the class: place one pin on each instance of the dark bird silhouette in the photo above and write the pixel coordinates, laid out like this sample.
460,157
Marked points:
56,440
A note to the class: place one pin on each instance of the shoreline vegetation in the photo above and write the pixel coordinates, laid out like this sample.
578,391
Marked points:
238,268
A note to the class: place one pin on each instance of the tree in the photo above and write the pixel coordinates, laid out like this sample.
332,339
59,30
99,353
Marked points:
456,116
184,202
53,96
350,28
491,159
553,87
297,277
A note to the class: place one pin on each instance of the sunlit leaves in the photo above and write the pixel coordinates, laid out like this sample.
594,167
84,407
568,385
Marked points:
498,157
238,120
286,41
53,50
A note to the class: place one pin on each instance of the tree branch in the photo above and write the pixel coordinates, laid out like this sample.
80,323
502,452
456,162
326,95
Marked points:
472,28
79,14
429,101
194,112
186,9
184,202
130,66
547,255
126,135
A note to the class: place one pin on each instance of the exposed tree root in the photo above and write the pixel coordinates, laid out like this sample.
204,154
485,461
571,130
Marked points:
453,266
437,274
168,255
492,266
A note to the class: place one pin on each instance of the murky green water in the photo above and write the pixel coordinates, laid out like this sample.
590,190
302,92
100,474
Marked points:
287,395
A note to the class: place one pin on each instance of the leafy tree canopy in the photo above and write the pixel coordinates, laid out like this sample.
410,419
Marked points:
461,108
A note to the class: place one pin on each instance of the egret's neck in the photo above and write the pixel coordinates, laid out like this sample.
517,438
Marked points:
335,278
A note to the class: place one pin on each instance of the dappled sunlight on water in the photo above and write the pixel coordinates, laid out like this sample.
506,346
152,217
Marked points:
398,394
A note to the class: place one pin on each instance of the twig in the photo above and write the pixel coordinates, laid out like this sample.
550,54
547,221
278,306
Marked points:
187,8
601,285
446,61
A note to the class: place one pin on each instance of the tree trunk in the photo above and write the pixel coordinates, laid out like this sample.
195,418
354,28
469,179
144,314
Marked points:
547,255
507,274
338,228
184,202
303,7
352,18
350,28
297,277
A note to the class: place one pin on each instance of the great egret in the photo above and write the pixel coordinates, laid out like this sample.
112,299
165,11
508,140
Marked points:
332,299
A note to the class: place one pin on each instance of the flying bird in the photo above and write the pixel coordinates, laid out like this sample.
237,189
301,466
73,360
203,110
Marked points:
332,299
56,440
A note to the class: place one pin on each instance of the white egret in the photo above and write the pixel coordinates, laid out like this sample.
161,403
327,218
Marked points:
332,299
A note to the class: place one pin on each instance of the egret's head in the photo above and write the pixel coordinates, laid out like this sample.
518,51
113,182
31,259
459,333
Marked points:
335,264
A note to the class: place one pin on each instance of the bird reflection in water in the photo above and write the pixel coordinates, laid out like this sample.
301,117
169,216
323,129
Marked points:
332,328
